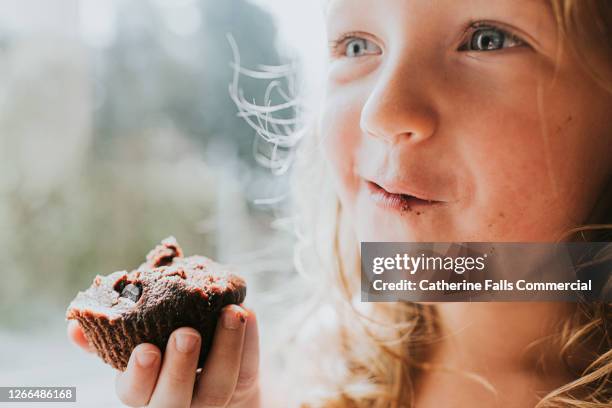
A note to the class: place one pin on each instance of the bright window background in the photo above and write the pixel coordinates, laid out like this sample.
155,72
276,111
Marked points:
117,130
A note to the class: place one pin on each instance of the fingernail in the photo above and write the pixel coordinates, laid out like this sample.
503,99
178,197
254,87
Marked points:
232,320
145,358
186,342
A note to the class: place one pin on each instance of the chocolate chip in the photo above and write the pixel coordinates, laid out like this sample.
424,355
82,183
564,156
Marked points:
164,261
132,291
120,284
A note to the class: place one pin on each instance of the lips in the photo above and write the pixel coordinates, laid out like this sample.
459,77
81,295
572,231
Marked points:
393,198
398,189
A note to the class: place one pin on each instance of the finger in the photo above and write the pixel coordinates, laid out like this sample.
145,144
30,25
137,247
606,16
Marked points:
135,385
220,372
175,383
76,334
247,383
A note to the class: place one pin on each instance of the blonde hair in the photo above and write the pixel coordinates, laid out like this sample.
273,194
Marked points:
356,355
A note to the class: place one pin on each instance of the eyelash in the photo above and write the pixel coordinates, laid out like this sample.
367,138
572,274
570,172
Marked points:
474,27
336,46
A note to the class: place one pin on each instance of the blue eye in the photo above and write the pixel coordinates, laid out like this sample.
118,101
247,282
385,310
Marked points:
354,47
489,38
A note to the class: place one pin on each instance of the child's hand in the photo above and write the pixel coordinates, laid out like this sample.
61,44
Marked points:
229,377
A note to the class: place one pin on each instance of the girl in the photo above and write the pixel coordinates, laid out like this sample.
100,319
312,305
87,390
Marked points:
443,121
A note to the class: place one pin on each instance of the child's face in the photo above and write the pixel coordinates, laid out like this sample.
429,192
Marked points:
506,147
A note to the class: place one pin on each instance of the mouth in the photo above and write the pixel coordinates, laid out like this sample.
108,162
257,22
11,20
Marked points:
398,201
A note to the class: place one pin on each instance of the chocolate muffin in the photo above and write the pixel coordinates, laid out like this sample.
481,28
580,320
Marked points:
121,310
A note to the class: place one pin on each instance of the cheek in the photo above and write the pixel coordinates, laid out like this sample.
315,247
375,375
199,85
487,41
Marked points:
517,182
514,198
537,160
491,117
339,130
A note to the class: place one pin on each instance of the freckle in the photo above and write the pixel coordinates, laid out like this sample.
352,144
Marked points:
501,214
490,225
418,213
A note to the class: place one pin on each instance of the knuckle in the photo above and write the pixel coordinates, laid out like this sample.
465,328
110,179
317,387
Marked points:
178,368
246,381
179,374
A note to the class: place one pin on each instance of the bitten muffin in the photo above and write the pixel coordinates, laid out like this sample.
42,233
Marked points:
121,310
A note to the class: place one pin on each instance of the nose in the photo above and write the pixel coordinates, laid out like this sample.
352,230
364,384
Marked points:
397,108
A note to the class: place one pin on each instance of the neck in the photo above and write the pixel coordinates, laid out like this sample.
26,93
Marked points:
483,337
